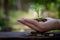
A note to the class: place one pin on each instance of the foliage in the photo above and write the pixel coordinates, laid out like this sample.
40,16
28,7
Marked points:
48,5
12,2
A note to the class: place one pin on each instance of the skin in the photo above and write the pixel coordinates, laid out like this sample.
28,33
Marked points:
50,24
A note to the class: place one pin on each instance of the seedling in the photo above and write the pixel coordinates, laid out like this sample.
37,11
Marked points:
37,10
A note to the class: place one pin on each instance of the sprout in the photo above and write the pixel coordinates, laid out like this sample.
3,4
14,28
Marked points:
39,9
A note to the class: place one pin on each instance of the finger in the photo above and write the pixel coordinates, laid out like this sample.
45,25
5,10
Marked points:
29,25
34,22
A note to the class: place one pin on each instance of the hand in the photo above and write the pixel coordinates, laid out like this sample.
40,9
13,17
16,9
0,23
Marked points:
39,26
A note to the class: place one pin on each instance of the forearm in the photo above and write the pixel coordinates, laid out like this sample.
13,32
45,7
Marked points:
58,24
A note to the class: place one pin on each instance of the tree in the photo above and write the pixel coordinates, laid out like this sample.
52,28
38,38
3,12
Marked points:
4,22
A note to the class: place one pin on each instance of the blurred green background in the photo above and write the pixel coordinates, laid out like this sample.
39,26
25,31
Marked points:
12,10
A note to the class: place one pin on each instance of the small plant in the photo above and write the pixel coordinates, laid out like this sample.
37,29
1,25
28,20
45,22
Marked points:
36,8
39,10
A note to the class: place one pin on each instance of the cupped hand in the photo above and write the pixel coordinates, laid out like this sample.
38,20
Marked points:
50,24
